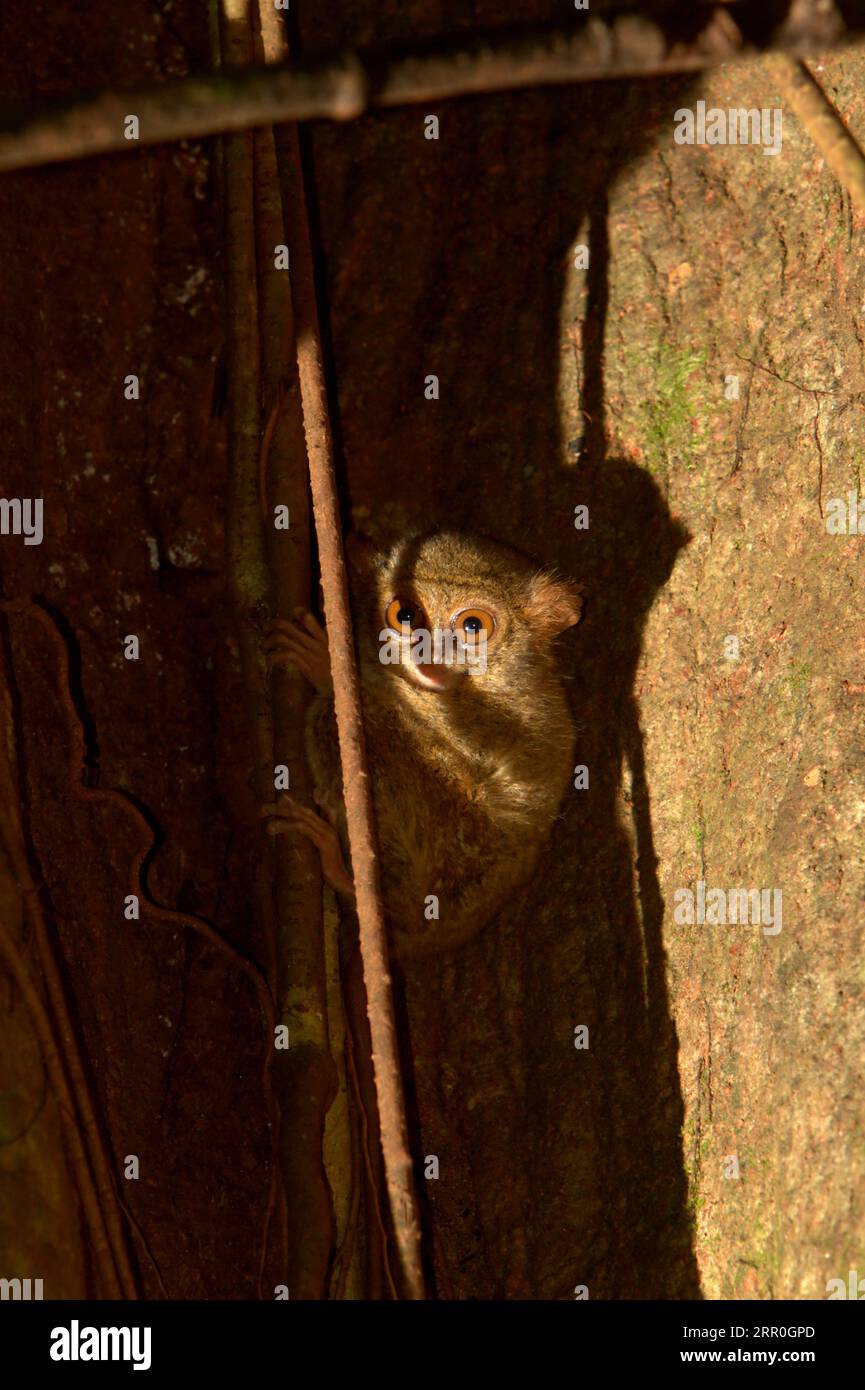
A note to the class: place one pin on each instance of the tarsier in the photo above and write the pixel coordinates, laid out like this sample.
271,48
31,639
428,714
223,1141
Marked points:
469,736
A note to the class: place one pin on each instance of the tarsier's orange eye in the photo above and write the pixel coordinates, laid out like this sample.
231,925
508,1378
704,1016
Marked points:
403,616
471,623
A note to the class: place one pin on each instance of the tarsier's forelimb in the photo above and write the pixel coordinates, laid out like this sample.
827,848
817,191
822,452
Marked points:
301,642
286,815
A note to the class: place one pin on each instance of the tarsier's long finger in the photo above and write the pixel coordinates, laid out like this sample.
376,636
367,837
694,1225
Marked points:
293,637
286,827
312,625
286,815
303,626
285,653
309,818
279,656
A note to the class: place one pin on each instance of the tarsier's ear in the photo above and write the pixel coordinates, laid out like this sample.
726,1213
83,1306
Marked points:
553,605
360,552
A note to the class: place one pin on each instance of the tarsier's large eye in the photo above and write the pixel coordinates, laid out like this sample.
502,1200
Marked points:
471,623
403,616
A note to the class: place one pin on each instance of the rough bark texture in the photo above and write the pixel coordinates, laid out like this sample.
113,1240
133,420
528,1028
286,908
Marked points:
559,387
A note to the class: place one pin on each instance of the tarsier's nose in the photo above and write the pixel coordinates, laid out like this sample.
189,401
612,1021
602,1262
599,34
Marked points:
436,675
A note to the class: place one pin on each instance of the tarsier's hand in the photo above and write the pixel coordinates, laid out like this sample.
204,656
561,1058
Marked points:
285,815
300,642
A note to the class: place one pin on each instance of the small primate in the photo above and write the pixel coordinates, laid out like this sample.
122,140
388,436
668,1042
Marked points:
469,736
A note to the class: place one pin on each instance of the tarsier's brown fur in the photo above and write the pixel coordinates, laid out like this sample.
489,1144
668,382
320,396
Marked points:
466,781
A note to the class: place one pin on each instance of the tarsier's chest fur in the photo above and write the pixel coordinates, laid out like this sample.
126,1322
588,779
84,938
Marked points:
466,787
